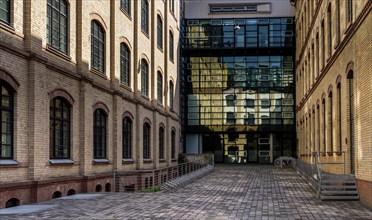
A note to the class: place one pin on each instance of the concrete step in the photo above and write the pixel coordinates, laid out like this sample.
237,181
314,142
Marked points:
347,187
338,177
336,182
325,197
338,193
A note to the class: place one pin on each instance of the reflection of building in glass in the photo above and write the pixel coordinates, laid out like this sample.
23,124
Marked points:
239,86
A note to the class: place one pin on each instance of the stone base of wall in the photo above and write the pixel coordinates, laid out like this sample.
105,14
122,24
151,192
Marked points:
44,190
365,192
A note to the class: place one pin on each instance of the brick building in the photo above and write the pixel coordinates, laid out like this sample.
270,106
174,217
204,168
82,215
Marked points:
333,87
88,87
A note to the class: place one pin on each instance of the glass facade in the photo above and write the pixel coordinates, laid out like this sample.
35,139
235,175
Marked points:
240,97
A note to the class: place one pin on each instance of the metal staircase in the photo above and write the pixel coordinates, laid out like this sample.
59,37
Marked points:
333,186
338,187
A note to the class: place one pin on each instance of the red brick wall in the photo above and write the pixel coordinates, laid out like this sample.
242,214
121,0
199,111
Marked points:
365,192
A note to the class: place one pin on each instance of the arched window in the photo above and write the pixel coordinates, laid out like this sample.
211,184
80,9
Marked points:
99,134
144,78
6,116
57,24
349,10
125,5
146,141
171,52
160,33
324,125
171,94
330,121
173,144
160,88
5,11
97,47
59,129
127,138
161,143
124,64
145,16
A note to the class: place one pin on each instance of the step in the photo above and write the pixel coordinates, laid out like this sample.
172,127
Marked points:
339,197
339,193
335,182
338,187
338,177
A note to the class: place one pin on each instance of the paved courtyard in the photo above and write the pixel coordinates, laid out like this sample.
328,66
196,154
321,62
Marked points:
230,192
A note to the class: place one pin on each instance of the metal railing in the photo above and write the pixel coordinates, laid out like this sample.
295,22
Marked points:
154,180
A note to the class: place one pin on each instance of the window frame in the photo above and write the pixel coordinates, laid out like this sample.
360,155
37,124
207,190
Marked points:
9,109
125,5
8,12
144,78
50,28
124,65
161,143
160,87
100,150
146,141
52,128
173,144
96,40
127,134
159,35
171,47
171,94
145,17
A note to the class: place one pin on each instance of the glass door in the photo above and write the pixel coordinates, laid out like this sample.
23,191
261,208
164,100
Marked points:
235,146
264,150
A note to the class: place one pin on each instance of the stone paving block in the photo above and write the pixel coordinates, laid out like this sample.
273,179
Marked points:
230,192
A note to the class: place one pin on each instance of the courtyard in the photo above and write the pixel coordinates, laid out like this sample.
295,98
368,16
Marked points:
230,192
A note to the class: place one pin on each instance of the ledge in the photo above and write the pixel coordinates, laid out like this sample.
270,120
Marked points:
61,162
127,161
147,161
8,162
58,53
100,161
162,160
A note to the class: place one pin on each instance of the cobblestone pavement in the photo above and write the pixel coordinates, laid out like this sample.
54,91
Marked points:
230,192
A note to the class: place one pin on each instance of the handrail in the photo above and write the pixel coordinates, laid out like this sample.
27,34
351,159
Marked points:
151,180
319,164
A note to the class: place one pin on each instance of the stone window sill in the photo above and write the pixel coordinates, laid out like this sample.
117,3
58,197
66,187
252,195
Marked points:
61,162
162,160
147,161
100,161
8,162
127,161
57,53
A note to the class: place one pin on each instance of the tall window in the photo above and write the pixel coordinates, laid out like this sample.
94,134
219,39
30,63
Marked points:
350,77
161,143
6,116
145,16
160,88
324,126
160,33
317,55
338,20
146,141
349,11
171,94
144,78
57,24
125,5
97,47
339,117
318,116
173,144
330,130
5,11
59,129
127,138
329,15
124,64
171,6
323,43
99,134
171,52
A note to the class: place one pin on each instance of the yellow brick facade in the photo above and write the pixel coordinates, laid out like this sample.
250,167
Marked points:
39,72
333,86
